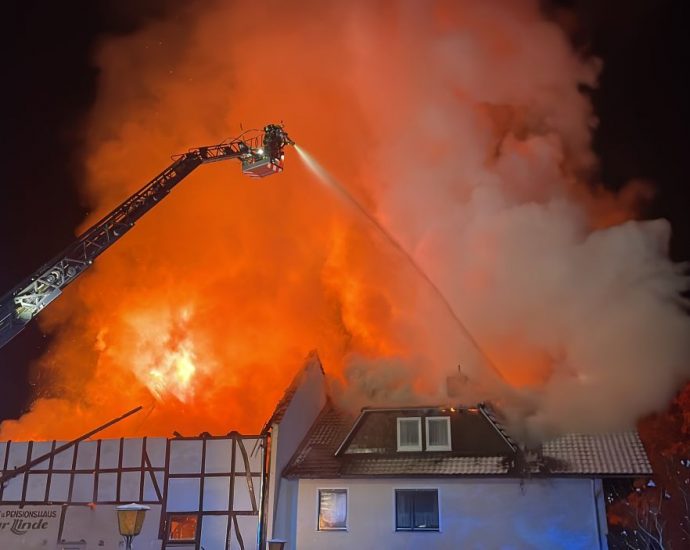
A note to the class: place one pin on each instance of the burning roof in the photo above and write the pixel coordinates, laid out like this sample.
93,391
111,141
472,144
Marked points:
339,445
469,141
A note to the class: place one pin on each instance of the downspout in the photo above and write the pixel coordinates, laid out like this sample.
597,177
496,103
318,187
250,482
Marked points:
275,476
597,516
265,479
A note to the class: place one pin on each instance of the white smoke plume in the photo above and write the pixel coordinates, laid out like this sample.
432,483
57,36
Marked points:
461,125
482,155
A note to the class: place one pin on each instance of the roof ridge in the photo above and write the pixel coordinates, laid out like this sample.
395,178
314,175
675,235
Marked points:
284,402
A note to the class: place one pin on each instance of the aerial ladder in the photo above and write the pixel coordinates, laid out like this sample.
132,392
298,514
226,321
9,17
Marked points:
261,154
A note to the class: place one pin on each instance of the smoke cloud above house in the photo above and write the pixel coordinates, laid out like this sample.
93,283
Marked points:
462,127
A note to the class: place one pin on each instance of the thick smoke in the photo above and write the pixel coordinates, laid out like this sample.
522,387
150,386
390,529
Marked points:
462,126
483,157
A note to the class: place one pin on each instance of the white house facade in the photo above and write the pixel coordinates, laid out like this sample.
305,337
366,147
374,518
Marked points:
440,478
473,513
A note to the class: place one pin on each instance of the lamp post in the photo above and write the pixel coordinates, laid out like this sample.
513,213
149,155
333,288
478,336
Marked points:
130,519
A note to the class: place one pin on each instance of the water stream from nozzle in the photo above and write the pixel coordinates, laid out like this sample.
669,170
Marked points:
322,174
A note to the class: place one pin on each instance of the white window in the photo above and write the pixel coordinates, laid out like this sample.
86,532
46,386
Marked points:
332,510
438,433
410,433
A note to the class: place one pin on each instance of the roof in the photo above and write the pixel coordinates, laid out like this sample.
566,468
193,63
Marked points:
415,466
315,457
619,453
324,452
291,390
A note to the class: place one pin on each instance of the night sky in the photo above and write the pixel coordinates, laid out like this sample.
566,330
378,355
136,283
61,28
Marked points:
50,84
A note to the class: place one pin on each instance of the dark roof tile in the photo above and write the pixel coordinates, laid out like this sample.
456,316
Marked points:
614,454
315,457
441,466
571,454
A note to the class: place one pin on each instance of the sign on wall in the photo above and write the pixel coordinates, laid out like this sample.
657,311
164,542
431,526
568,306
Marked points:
34,525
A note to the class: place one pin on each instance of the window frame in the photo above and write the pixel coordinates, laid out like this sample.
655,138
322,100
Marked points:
171,541
430,447
413,529
344,490
409,448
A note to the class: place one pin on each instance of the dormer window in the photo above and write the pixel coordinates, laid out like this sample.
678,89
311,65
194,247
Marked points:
434,437
438,433
410,433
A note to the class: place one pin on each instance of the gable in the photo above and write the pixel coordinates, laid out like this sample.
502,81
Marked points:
310,379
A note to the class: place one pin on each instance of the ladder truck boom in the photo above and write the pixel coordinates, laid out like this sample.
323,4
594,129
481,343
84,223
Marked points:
261,154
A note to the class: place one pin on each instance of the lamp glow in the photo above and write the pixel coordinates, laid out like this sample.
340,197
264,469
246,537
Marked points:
130,520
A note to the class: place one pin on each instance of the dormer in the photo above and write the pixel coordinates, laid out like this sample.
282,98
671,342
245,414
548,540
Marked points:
464,431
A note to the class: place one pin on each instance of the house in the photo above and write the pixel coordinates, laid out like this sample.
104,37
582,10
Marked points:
434,478
202,491
318,477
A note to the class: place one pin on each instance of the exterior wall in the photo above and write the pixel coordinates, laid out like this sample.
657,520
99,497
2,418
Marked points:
84,528
492,513
305,405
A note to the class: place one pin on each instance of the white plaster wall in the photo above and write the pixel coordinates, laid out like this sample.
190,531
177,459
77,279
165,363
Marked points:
491,514
286,513
41,533
305,406
97,526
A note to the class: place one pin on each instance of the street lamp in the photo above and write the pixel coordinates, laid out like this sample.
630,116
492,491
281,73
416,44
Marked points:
130,518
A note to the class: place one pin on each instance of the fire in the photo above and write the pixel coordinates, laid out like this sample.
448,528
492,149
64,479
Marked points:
459,126
165,357
174,374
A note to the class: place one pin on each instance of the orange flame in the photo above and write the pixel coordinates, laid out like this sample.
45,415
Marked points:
205,310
